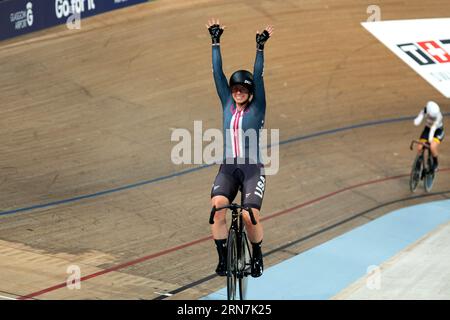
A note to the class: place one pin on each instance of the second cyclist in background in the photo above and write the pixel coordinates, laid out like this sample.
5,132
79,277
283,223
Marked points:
433,133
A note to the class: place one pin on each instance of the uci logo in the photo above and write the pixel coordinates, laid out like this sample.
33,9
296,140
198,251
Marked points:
30,17
247,82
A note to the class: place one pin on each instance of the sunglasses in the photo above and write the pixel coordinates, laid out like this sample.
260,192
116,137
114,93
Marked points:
239,89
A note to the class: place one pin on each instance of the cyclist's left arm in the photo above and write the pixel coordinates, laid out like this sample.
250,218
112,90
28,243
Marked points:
258,74
258,71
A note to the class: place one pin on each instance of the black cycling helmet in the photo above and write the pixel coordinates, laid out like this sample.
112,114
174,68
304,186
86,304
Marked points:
243,78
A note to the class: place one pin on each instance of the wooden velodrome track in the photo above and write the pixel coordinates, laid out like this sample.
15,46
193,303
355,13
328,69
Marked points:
89,111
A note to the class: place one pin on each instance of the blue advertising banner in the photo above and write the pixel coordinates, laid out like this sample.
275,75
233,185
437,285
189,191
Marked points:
19,17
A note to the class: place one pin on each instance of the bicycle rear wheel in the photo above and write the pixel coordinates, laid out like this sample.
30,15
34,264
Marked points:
232,265
244,266
429,176
416,173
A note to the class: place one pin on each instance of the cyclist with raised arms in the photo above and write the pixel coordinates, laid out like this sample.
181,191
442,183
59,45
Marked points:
433,133
243,105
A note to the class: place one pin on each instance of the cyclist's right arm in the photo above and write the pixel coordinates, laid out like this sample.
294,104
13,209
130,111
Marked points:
219,77
419,118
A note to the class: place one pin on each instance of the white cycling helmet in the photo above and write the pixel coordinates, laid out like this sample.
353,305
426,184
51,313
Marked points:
432,109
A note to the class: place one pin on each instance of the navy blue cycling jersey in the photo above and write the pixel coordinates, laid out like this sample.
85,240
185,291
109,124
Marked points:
241,129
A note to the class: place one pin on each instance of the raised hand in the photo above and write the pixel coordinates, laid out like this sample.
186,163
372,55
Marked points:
215,30
261,38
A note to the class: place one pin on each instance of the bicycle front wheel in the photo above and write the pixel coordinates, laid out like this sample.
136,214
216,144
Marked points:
429,176
416,172
232,265
244,266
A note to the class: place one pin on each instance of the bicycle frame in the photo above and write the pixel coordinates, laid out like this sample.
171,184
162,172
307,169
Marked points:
426,152
234,209
425,169
423,144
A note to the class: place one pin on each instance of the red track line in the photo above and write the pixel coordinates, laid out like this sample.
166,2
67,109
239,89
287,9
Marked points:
330,195
118,267
188,244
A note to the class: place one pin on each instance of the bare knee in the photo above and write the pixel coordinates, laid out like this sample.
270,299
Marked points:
246,216
434,148
219,201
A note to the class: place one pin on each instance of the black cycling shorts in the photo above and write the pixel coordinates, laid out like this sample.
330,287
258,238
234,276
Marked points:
439,134
247,178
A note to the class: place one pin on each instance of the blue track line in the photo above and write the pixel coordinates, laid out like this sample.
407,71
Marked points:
356,126
191,170
101,193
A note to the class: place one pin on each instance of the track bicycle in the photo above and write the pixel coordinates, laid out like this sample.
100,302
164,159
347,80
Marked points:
238,251
422,168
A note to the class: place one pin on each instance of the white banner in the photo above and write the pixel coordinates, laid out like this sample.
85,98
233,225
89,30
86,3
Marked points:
422,44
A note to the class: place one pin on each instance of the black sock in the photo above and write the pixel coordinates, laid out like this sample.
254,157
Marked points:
221,246
435,160
257,249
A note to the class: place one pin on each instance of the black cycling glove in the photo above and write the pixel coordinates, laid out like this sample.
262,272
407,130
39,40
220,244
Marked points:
215,31
261,39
